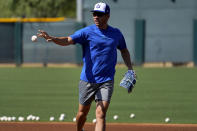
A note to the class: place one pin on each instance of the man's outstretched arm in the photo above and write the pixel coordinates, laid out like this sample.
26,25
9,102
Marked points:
63,41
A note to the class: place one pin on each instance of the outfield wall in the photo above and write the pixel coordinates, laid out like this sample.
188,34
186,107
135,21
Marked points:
43,52
16,45
168,31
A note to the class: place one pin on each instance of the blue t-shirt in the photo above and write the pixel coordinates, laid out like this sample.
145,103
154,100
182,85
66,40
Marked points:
99,52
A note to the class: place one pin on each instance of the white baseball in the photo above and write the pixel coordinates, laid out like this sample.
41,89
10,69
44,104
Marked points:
34,38
3,118
167,120
115,117
9,118
29,117
62,115
51,118
37,118
20,118
94,121
74,119
13,118
61,118
132,115
33,118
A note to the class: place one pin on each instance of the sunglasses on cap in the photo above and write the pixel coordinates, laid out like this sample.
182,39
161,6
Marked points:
99,14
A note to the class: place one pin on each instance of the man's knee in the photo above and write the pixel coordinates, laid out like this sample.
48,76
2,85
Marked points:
101,109
83,111
100,114
81,114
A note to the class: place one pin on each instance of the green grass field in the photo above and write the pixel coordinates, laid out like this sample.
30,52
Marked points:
45,92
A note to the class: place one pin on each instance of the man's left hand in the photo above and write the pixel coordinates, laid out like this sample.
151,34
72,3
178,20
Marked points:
129,80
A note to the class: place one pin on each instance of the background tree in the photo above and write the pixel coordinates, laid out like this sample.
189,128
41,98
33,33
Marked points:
37,8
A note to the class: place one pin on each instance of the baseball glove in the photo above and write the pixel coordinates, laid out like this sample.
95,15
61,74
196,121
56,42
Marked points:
129,80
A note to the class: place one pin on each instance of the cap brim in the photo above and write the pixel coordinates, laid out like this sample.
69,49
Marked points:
97,11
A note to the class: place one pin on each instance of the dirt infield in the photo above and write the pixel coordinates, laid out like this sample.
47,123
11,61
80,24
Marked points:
65,126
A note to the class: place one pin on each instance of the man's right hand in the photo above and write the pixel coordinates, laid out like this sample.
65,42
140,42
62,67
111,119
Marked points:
44,35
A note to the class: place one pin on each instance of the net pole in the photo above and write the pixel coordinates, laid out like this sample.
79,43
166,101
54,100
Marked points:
79,10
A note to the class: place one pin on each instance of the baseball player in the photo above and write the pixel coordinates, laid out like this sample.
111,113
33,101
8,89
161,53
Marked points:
99,42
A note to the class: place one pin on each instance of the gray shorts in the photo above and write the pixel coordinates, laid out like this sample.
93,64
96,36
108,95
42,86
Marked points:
95,91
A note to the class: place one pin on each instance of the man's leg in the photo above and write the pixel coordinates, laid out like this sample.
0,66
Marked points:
81,116
101,110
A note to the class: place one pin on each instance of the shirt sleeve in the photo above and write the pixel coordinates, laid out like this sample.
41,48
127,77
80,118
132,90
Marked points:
122,43
79,36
